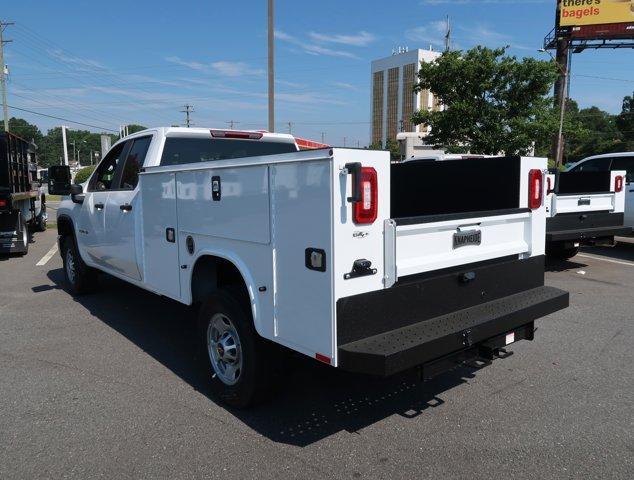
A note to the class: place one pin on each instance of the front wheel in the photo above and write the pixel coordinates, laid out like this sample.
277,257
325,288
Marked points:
23,237
41,219
236,357
80,278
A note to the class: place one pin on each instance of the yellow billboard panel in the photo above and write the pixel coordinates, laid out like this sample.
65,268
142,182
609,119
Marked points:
595,12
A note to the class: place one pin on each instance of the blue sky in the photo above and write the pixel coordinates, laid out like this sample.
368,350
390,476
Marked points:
140,61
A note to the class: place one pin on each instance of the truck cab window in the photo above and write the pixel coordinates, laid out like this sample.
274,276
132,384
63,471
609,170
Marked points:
104,176
627,164
134,162
596,165
178,151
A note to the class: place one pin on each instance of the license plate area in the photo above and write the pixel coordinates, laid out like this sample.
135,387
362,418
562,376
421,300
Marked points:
466,238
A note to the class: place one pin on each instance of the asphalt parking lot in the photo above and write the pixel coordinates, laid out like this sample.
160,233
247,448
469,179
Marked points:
108,385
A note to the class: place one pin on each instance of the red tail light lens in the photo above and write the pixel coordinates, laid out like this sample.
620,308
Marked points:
618,183
365,211
3,203
535,189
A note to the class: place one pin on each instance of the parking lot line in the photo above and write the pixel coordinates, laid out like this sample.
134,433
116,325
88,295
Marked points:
48,256
620,262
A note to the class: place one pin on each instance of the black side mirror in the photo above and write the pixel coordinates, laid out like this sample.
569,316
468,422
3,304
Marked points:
77,193
59,180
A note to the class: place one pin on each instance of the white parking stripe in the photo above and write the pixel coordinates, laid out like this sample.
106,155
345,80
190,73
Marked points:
629,264
48,256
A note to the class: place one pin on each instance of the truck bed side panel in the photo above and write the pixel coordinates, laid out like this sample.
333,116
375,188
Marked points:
241,212
301,209
160,257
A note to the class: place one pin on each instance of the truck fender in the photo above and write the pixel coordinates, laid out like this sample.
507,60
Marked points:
245,273
66,226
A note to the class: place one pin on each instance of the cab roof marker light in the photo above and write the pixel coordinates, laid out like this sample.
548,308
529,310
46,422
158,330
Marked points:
236,134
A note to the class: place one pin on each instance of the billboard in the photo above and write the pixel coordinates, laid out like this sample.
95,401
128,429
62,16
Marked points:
595,12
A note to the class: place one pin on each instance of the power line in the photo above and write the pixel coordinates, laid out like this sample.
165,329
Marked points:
62,118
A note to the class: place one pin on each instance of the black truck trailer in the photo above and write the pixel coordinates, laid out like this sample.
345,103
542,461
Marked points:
22,199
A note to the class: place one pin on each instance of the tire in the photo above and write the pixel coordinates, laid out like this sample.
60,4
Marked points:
559,251
23,238
237,360
80,278
40,225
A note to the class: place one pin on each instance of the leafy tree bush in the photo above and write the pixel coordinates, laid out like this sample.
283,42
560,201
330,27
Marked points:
493,102
82,175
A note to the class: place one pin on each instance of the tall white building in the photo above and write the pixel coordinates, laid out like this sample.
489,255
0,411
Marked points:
393,98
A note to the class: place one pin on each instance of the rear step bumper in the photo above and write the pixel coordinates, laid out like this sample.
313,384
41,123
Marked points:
431,340
585,226
587,234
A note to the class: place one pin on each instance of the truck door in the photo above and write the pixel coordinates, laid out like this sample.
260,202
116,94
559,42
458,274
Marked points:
91,225
122,211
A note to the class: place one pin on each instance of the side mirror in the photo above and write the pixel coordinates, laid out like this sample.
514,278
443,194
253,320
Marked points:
77,193
59,180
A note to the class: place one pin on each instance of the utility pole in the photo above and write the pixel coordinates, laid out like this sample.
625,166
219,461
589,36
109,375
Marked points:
65,145
344,141
271,69
290,128
358,144
188,109
3,74
231,124
323,137
448,36
562,59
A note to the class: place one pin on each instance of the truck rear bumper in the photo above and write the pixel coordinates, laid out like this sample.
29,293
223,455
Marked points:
585,227
432,339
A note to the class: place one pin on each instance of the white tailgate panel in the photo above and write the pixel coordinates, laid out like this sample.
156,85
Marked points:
571,203
429,246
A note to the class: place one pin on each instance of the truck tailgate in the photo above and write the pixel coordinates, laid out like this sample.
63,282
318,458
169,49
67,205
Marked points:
425,244
595,202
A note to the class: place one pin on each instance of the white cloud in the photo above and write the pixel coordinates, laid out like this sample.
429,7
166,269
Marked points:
361,39
433,32
83,63
226,69
347,86
312,48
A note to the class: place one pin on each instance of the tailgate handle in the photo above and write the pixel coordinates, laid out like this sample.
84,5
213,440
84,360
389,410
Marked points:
354,168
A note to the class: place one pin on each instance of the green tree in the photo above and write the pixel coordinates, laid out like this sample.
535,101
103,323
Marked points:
493,102
391,145
82,175
133,128
24,129
625,123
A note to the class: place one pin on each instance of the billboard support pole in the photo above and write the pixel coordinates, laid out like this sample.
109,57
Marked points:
561,89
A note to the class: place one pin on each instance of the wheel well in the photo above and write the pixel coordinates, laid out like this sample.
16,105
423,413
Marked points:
211,273
65,227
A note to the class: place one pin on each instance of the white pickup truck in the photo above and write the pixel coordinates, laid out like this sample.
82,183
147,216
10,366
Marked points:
335,253
584,206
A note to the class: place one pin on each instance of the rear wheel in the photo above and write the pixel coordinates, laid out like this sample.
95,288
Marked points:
236,357
561,250
80,278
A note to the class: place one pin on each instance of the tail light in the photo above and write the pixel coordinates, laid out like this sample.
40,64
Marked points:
548,185
535,189
3,203
618,183
366,208
236,134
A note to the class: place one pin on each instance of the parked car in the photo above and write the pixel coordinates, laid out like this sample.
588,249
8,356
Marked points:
337,254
